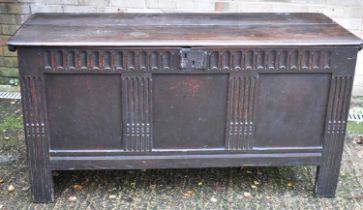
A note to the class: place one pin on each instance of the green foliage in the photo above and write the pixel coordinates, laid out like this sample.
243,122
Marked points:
9,81
355,128
357,110
14,82
11,123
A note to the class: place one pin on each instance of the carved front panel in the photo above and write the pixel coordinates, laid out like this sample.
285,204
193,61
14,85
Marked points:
189,111
84,111
291,110
237,99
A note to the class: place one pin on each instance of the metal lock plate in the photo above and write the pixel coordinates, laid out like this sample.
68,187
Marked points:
193,59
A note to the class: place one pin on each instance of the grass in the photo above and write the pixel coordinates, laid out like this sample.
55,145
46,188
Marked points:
354,128
11,123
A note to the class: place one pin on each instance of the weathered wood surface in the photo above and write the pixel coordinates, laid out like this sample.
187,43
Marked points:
137,91
283,29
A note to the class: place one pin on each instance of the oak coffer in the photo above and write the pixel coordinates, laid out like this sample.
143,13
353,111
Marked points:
139,91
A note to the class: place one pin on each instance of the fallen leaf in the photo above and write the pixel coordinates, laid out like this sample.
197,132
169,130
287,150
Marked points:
256,182
253,186
77,187
200,183
344,174
249,172
213,199
358,139
11,188
247,195
129,199
24,188
72,198
1,181
112,196
188,194
360,154
290,183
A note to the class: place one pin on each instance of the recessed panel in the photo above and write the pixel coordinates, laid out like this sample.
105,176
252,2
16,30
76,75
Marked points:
84,111
189,111
291,109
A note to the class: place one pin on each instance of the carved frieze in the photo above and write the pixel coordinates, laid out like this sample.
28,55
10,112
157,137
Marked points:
161,60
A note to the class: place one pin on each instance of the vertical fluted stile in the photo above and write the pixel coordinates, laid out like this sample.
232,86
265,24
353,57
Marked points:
237,107
241,94
136,97
36,136
251,110
337,112
337,117
246,117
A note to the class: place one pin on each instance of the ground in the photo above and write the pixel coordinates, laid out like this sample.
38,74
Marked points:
228,188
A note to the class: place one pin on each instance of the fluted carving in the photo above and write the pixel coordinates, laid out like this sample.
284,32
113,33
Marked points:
136,91
240,122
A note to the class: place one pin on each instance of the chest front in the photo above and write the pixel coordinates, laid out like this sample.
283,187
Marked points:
185,91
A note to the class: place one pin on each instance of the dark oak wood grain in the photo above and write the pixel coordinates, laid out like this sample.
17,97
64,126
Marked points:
137,91
181,30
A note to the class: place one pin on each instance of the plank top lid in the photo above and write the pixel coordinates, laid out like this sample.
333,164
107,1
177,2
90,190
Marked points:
182,29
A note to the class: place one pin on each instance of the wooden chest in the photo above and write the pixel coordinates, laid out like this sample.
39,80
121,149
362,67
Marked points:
139,91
